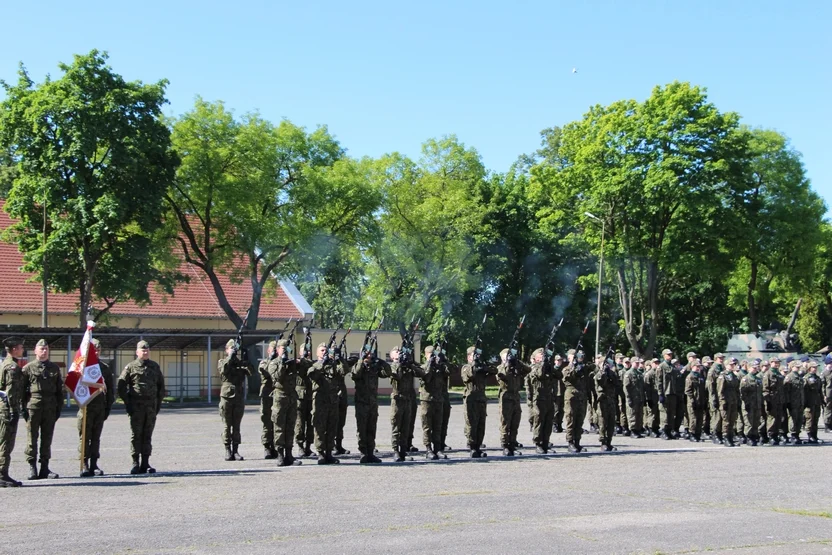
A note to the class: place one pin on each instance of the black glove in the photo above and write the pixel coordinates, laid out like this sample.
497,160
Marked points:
26,415
661,399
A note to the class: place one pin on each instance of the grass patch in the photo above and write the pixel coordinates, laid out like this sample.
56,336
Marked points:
801,512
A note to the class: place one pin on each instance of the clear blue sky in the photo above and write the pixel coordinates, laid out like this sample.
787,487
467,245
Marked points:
385,76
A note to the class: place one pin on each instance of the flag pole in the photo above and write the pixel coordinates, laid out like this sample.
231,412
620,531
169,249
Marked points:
83,435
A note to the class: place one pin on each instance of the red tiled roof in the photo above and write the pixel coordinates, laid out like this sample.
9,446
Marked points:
196,299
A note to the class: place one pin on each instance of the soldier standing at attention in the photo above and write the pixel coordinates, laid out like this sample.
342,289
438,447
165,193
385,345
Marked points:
559,388
622,426
634,394
42,399
541,379
403,399
827,392
667,383
697,398
433,401
510,374
793,410
325,402
446,405
727,387
233,373
707,362
365,374
11,405
343,403
577,378
474,376
304,431
713,396
266,388
751,395
98,410
142,388
773,398
606,388
283,369
813,400
651,398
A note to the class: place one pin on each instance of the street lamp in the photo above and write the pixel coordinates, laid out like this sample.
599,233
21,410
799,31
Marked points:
600,274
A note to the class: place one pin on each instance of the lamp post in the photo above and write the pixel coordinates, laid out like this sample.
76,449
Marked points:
600,274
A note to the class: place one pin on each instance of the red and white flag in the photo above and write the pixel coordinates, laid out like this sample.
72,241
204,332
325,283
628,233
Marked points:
84,380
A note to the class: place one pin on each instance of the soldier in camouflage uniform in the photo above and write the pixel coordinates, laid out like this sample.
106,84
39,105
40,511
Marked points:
606,389
541,379
622,426
559,390
812,400
304,431
827,392
98,410
141,386
751,396
727,388
707,363
793,413
578,379
233,373
325,402
697,399
510,376
403,376
266,388
474,376
774,401
43,399
634,394
713,396
670,394
741,427
431,395
446,404
283,369
365,374
343,403
11,405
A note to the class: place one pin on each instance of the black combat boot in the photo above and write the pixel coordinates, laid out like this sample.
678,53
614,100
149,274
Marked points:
796,439
290,458
540,450
45,472
398,454
94,467
339,449
229,455
321,458
136,469
365,459
474,454
33,471
432,452
445,447
145,467
7,481
775,440
237,455
413,449
268,453
308,451
330,459
281,458
506,452
572,448
627,433
517,445
812,440
373,458
87,472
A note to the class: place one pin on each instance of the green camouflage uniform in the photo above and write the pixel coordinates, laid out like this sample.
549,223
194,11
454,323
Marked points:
141,386
475,400
446,404
773,399
402,404
43,398
668,386
634,396
365,374
751,395
558,391
325,403
233,373
343,402
697,402
713,397
813,401
266,388
284,373
12,384
621,398
606,389
651,398
98,410
510,378
741,427
542,378
304,431
727,387
432,397
578,378
793,394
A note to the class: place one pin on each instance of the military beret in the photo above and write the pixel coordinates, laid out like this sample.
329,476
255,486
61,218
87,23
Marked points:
42,343
828,359
706,358
95,343
322,345
428,349
230,343
283,343
12,342
691,354
142,345
719,355
570,352
538,351
789,360
804,358
272,344
470,350
667,352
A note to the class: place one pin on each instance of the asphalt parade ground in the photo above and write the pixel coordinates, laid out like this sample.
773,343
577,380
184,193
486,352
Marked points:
651,496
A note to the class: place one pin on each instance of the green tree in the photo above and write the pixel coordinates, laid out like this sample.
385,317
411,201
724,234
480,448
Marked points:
249,195
90,150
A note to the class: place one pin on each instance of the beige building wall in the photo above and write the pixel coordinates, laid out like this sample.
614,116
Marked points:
134,322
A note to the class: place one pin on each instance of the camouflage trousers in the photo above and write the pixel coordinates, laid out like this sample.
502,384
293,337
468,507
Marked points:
284,415
793,417
576,406
432,424
366,421
475,415
401,410
543,412
751,419
606,419
304,431
695,419
729,419
142,423
412,428
635,416
716,421
325,421
681,413
669,413
828,414
8,434
267,433
446,417
652,415
557,418
231,412
95,425
343,402
811,416
774,418
621,410
41,426
510,413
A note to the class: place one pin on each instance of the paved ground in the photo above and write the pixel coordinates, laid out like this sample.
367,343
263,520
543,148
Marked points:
651,496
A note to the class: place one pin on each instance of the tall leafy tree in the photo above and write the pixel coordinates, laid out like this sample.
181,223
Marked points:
90,150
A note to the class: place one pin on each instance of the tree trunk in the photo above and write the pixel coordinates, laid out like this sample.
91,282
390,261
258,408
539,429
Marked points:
653,300
752,286
625,300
